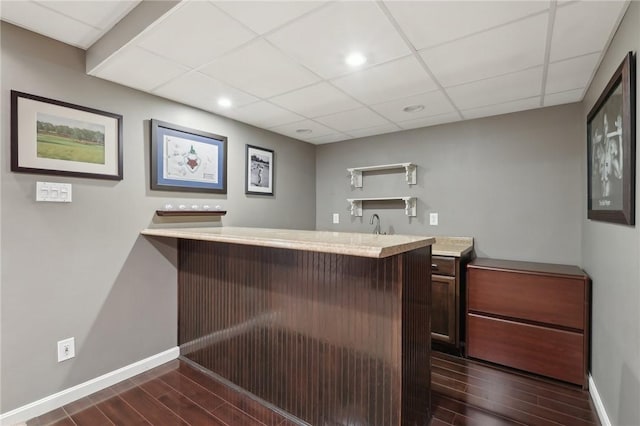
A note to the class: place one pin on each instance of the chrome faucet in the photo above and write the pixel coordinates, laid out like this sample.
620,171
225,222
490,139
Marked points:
376,229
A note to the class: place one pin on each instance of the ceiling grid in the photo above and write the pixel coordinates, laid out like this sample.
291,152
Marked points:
281,64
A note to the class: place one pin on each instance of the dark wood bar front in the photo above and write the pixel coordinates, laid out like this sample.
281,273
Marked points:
333,339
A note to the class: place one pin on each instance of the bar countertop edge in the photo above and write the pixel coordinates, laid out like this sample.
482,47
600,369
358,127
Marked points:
345,243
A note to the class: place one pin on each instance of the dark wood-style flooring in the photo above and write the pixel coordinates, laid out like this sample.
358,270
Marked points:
464,393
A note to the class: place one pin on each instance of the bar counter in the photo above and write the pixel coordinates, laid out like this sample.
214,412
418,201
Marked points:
355,244
333,328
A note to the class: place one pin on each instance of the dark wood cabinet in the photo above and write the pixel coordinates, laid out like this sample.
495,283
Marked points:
530,316
447,302
443,317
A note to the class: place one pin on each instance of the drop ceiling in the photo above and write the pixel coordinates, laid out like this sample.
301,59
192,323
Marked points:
282,63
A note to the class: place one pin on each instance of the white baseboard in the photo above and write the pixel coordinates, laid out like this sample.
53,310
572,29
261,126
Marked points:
597,402
57,400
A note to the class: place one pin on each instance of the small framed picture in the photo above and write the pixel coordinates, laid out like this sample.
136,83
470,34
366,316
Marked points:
259,174
187,160
58,138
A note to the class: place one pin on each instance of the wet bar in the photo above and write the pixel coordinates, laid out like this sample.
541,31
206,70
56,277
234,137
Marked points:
330,327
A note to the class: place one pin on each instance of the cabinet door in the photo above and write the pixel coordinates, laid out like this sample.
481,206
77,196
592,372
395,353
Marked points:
443,309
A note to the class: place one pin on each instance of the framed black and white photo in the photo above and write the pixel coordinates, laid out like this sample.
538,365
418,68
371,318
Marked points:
58,138
187,160
611,149
259,173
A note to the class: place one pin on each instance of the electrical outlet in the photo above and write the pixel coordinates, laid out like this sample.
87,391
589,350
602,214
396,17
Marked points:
66,349
336,218
433,219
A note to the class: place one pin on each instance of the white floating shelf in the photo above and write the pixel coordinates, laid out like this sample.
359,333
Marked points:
356,172
409,204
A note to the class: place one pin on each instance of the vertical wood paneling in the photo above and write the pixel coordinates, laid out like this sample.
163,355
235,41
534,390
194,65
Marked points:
319,335
416,339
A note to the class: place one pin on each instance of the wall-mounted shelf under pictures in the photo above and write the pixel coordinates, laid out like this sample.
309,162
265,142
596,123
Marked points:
356,172
191,212
409,204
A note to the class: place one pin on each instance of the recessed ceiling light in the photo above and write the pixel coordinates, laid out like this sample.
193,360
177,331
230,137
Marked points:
224,102
355,59
304,131
413,108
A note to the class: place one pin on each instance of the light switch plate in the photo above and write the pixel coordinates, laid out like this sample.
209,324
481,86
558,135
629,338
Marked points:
336,218
433,219
53,192
66,349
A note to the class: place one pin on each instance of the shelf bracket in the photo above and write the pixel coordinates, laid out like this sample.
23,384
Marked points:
356,178
410,173
410,206
356,207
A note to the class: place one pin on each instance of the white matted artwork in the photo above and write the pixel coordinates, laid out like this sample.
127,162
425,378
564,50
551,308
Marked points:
189,160
58,138
259,171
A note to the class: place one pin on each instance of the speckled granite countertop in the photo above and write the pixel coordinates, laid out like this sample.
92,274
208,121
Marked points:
452,246
347,243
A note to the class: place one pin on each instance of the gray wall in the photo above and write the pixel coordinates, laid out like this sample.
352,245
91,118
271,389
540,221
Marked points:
611,256
81,269
513,182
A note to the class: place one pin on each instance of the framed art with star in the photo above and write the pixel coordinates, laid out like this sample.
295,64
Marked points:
188,160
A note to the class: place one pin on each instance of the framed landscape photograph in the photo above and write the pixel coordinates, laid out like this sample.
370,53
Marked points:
59,138
259,173
611,148
187,160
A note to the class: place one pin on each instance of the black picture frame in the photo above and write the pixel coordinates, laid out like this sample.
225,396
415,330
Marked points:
259,170
611,148
187,160
53,137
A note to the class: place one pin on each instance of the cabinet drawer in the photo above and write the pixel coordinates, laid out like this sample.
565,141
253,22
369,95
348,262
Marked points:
441,265
545,351
545,299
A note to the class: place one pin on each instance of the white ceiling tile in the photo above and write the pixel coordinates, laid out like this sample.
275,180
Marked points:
503,108
334,137
99,14
448,117
315,101
263,114
583,27
194,34
486,54
351,120
370,131
264,16
499,51
563,97
260,69
199,90
429,23
393,80
291,129
150,70
322,39
571,74
44,21
519,85
434,103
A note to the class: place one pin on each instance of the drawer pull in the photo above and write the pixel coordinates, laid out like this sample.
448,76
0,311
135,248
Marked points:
434,266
